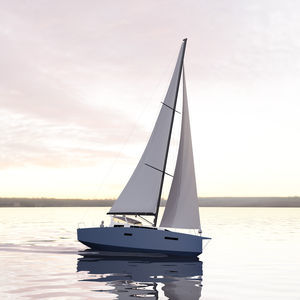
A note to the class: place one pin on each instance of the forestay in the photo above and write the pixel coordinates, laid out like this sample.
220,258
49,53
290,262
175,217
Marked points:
182,205
142,192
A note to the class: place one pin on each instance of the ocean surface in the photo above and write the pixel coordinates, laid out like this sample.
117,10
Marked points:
254,254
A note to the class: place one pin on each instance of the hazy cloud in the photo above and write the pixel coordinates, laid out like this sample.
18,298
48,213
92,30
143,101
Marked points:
76,75
26,142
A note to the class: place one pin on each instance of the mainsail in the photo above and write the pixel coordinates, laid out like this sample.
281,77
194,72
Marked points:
182,205
143,190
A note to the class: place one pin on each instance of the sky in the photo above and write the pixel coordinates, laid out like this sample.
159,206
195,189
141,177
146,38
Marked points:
81,84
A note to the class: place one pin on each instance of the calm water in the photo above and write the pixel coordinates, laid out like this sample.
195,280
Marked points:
254,254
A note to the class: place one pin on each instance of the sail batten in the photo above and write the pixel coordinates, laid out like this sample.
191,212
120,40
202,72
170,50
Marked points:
182,210
142,192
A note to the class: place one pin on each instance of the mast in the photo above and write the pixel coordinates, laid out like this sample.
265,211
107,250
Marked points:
170,133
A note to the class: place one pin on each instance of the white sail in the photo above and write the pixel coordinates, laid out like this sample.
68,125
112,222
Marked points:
142,192
182,205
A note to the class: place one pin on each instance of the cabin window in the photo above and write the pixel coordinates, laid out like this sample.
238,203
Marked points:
128,234
171,238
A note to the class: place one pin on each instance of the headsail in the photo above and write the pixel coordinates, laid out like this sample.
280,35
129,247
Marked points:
142,192
182,205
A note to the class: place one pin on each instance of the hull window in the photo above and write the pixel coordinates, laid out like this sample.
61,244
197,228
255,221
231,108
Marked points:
128,234
171,238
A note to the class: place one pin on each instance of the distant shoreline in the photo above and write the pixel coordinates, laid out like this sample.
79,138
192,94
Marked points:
203,202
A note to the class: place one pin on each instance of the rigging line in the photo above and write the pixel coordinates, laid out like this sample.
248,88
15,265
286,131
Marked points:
170,107
206,244
145,219
158,169
157,87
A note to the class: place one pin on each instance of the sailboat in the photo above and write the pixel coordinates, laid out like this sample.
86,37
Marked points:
141,196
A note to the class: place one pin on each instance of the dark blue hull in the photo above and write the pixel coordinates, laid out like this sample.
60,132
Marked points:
141,240
114,249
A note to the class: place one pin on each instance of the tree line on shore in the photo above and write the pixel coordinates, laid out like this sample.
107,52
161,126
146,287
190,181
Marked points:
203,202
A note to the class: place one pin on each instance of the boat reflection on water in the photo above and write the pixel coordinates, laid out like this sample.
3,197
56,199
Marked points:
152,277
